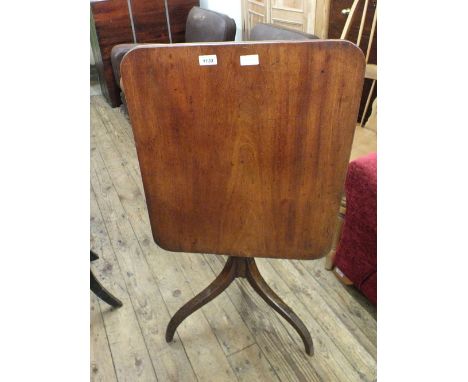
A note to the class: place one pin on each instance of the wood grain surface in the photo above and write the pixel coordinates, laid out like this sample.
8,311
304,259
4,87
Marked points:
244,160
112,26
149,18
235,337
112,21
178,12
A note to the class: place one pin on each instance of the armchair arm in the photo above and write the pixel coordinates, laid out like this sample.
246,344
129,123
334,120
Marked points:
117,54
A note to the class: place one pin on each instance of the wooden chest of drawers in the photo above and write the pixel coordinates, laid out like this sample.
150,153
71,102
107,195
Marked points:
137,21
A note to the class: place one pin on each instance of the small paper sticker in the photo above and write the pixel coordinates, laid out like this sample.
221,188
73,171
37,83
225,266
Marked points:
251,59
209,59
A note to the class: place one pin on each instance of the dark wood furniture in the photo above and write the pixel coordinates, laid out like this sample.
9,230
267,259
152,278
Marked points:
247,268
339,11
202,25
97,288
246,161
138,21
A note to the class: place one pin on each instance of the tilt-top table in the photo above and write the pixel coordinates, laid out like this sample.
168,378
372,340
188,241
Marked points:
243,150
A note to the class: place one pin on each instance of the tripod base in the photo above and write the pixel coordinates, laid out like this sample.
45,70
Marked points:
247,268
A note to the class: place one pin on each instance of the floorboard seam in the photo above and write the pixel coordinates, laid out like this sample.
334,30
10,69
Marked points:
126,287
240,315
238,351
338,347
107,339
145,256
123,279
338,316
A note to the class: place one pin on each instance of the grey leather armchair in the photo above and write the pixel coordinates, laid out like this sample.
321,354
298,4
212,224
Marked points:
264,32
202,25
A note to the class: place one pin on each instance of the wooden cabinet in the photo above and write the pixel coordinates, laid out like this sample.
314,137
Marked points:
310,16
137,21
293,14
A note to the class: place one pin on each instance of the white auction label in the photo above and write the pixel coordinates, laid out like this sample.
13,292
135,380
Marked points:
209,59
251,59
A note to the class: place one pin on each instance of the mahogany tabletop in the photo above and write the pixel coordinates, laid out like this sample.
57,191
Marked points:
243,147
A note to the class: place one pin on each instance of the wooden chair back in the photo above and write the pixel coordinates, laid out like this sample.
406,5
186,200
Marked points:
371,69
243,147
350,20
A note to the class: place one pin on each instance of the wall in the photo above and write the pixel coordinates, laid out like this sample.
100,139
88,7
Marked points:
232,8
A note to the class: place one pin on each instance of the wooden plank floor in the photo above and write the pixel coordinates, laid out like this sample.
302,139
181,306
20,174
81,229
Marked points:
236,337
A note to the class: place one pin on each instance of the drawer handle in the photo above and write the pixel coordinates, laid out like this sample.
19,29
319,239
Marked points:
345,11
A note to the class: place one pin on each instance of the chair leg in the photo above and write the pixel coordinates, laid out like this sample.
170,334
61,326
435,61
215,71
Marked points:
103,293
247,268
367,102
93,255
329,259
